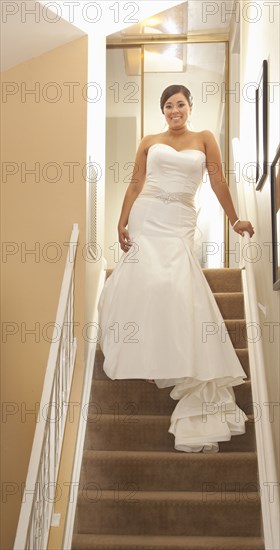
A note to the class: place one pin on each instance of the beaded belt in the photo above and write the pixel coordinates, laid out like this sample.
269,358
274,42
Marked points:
186,199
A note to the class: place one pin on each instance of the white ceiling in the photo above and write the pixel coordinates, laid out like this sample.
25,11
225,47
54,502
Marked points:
204,17
190,17
24,37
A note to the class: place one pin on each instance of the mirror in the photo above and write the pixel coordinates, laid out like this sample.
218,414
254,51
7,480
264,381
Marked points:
136,77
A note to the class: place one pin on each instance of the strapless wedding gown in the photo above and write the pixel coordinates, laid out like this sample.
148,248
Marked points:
158,318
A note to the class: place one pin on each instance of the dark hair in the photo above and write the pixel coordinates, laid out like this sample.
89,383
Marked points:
175,89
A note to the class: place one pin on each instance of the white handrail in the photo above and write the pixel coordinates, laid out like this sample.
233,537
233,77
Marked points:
39,494
85,399
268,480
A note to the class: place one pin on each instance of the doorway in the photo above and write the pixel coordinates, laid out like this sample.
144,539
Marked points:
141,62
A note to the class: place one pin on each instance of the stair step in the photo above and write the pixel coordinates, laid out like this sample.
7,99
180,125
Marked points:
243,357
230,304
148,433
219,280
167,471
135,396
235,329
152,542
137,492
99,374
224,280
169,513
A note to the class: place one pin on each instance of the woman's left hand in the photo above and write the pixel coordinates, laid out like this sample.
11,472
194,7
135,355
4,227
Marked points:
244,225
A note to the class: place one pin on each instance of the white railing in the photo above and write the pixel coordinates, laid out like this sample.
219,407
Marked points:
268,479
85,399
39,494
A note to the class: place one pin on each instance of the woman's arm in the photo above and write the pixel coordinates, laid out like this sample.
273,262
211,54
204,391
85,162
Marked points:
220,186
132,192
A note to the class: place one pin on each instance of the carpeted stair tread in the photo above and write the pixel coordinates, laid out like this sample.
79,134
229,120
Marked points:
235,329
228,498
150,432
169,513
151,542
137,492
223,280
243,357
165,470
99,374
219,280
134,396
230,304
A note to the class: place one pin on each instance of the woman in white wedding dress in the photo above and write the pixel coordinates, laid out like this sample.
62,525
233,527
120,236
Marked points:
158,318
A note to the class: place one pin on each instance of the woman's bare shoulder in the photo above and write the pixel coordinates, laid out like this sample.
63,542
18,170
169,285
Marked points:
207,136
149,140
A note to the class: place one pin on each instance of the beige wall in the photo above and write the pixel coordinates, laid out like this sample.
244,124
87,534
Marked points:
260,40
41,131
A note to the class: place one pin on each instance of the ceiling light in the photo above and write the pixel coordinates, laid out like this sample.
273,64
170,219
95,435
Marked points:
171,27
152,21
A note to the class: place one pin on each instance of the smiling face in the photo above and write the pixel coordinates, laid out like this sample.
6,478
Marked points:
176,111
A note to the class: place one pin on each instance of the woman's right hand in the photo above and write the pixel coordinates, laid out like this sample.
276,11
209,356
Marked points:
124,238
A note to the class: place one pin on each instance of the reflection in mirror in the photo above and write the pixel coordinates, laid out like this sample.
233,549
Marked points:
201,68
202,71
123,134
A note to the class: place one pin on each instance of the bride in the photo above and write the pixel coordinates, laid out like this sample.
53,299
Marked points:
156,310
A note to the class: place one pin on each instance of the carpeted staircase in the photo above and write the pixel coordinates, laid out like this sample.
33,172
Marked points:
137,492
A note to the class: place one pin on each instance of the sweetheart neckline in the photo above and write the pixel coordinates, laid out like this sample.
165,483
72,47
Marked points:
181,151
